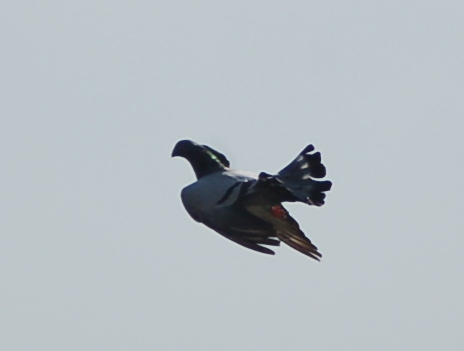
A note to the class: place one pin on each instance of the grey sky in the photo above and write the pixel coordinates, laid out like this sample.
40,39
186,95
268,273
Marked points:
97,252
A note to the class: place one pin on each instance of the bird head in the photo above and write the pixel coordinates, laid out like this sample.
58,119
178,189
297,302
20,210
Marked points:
203,159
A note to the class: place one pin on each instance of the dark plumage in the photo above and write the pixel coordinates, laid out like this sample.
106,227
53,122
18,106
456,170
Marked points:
247,208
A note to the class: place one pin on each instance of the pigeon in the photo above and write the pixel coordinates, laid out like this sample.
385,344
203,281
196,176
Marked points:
247,208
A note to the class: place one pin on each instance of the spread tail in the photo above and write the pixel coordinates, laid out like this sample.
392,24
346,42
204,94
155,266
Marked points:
296,181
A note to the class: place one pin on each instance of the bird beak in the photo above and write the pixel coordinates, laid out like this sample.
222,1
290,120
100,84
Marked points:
175,152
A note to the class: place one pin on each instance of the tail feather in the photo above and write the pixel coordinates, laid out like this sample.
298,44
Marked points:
296,181
305,164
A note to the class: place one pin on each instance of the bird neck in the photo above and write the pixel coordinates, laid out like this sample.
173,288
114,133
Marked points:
204,165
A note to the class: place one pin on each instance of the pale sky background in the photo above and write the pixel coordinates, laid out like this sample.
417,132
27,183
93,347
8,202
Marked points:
97,251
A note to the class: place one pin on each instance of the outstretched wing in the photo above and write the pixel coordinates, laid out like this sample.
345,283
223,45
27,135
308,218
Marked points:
260,218
286,228
250,240
246,229
217,203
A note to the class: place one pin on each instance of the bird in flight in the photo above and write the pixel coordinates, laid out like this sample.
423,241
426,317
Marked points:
247,208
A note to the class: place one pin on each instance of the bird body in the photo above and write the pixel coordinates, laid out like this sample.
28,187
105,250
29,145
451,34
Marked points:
213,193
247,208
